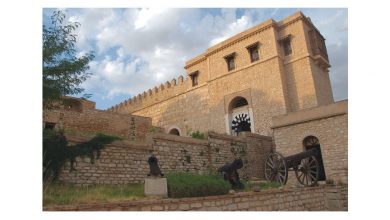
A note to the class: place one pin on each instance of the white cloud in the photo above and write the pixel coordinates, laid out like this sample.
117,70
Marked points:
233,28
138,49
146,16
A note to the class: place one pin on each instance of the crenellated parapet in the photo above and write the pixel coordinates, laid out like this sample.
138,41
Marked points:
151,96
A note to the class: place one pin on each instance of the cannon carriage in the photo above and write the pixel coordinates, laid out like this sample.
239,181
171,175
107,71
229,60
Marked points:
308,167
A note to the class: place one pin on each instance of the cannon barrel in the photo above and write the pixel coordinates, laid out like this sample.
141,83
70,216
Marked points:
295,160
154,168
230,173
230,167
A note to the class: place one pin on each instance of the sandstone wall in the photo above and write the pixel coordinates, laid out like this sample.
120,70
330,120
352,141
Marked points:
295,199
91,121
329,124
123,162
277,84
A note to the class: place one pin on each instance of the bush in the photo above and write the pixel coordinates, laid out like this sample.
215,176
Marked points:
194,185
198,135
54,153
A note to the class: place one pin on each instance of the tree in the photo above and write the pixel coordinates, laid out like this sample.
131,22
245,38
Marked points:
63,70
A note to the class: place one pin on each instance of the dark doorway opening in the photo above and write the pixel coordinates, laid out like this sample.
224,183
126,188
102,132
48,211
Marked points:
311,142
174,131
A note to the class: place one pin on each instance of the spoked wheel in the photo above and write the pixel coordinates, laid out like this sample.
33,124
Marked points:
275,168
307,171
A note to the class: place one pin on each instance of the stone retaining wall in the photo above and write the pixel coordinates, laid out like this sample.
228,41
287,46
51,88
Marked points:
294,199
125,161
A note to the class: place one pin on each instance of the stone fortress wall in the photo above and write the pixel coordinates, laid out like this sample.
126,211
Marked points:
82,118
123,162
273,85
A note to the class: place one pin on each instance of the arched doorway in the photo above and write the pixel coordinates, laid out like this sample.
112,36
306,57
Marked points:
239,116
174,131
310,142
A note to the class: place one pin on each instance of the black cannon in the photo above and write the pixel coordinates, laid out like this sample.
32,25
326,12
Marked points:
154,168
307,165
230,173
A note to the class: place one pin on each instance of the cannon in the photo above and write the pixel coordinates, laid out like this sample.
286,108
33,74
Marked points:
307,165
154,168
230,173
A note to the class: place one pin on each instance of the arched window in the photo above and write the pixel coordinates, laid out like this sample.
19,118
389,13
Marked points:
174,131
239,117
238,102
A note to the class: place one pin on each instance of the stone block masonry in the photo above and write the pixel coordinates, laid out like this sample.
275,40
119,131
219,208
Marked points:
294,199
125,161
329,124
92,121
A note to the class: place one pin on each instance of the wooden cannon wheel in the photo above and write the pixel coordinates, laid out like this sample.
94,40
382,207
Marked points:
307,171
275,168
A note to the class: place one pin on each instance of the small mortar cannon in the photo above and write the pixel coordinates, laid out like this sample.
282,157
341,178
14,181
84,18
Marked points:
154,168
307,165
230,173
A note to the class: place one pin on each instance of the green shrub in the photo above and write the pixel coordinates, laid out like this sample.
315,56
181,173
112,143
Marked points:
183,184
198,135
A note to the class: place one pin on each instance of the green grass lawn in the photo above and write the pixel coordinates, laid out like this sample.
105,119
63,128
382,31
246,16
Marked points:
62,194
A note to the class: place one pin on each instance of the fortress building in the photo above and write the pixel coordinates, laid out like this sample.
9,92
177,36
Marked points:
269,84
239,84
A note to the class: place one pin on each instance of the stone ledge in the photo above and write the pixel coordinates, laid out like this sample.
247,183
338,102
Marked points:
117,143
306,115
170,137
258,136
275,194
226,137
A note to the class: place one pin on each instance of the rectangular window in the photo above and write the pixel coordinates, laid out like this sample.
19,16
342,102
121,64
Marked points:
253,51
286,43
194,78
230,61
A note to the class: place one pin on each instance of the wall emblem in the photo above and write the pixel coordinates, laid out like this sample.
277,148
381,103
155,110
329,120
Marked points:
241,122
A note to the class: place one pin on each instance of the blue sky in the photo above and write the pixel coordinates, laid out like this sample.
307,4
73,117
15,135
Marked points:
137,49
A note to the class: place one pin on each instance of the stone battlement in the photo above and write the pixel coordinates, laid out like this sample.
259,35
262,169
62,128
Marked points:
158,93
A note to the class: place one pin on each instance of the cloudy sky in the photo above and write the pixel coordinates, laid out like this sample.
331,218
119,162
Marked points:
137,49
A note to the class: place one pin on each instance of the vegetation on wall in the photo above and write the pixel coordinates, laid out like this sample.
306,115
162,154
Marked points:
56,151
185,184
198,135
